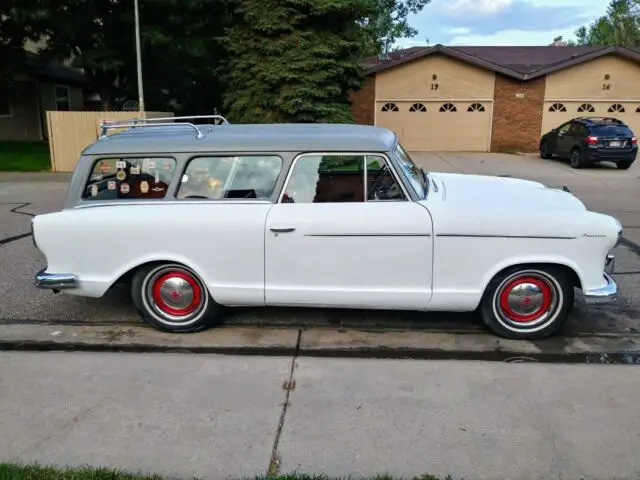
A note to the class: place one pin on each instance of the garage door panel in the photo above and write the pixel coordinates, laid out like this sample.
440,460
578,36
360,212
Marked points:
438,126
558,112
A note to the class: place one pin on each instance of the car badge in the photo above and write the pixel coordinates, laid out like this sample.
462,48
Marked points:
158,189
104,167
134,171
111,185
94,190
121,164
124,188
144,186
121,175
97,176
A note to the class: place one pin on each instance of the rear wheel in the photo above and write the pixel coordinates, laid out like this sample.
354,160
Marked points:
527,303
623,165
544,150
576,158
172,298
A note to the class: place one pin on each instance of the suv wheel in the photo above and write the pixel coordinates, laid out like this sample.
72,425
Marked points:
544,150
623,165
576,158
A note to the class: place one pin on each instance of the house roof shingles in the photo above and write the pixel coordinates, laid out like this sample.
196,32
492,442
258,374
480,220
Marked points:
523,63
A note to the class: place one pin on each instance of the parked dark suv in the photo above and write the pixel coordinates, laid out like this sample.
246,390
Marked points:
588,140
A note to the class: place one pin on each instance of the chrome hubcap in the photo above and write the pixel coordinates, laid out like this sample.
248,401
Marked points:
526,300
175,295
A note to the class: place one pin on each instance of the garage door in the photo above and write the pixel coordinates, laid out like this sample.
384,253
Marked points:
557,112
438,126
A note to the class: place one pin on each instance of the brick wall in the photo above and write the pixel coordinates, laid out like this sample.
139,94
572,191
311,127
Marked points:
363,102
517,121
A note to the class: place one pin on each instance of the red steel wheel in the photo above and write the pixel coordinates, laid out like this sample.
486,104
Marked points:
171,297
528,303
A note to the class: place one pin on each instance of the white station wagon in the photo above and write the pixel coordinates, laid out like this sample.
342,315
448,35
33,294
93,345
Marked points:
197,217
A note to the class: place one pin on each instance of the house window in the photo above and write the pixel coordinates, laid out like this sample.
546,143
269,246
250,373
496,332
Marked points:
63,99
5,103
586,107
557,107
390,107
448,107
475,107
616,107
418,107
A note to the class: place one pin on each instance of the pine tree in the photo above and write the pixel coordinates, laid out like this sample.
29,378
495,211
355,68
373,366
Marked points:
293,60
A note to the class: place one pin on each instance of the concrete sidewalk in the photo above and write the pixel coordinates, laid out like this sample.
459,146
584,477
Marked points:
217,417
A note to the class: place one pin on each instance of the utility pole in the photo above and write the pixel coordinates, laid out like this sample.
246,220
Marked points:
139,59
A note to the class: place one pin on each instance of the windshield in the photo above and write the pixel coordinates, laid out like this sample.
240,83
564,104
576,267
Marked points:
418,181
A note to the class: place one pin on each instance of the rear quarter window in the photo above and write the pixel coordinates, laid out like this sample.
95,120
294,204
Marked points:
611,130
129,178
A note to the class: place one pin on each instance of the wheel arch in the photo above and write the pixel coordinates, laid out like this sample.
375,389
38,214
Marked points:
570,269
126,274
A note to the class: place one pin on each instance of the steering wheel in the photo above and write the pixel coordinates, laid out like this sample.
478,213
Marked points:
377,182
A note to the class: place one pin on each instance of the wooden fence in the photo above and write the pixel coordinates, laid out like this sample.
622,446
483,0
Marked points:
72,132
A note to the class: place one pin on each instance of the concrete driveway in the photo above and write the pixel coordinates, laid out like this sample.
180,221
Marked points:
602,189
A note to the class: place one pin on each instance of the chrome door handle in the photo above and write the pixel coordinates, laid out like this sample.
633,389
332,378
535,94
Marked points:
282,230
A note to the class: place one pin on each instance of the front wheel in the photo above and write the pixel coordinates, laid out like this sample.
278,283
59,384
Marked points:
173,298
527,303
544,150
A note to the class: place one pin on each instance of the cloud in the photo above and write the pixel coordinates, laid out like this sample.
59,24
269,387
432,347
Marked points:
501,22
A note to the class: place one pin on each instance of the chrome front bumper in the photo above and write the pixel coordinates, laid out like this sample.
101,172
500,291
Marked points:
55,281
606,294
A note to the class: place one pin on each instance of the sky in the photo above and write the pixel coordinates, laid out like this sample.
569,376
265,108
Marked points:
501,22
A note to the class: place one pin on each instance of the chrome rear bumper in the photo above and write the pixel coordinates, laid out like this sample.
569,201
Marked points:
606,294
55,281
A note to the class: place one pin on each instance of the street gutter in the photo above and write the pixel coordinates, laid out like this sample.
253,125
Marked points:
321,342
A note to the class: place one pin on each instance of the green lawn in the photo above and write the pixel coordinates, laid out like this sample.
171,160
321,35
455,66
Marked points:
24,157
10,471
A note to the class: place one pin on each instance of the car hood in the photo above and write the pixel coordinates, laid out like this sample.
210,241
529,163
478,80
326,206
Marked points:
503,192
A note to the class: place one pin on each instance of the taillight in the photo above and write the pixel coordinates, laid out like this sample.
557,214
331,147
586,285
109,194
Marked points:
591,140
634,140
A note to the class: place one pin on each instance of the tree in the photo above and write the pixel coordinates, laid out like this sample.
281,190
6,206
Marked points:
293,60
619,26
390,22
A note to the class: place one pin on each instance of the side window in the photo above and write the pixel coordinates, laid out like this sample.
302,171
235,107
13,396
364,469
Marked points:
129,178
381,184
326,178
341,178
250,176
564,128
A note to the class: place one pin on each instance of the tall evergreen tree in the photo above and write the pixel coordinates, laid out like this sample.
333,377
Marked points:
293,60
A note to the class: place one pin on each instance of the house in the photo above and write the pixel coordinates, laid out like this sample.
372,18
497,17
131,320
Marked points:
482,99
39,86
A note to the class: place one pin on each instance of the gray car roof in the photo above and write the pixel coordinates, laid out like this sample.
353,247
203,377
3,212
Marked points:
278,137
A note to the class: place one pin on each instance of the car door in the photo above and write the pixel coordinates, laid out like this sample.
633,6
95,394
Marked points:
564,139
346,234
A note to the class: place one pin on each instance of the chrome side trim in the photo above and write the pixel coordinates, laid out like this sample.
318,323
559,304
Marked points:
602,295
55,281
471,235
186,201
367,234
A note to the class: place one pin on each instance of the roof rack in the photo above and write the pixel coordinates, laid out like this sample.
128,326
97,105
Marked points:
602,119
163,122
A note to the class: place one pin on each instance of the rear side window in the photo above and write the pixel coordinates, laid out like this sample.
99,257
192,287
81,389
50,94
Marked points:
611,130
129,178
251,176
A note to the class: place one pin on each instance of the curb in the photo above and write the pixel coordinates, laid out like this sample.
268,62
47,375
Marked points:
321,342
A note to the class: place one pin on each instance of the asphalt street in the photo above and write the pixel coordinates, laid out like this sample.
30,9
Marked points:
602,189
215,417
